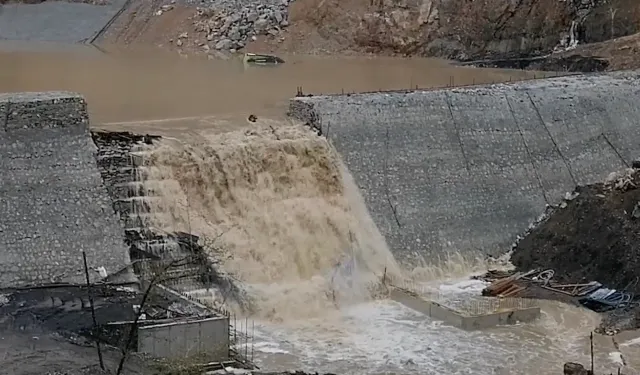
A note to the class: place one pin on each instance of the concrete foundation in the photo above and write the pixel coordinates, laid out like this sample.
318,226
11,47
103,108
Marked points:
183,339
491,317
467,170
53,203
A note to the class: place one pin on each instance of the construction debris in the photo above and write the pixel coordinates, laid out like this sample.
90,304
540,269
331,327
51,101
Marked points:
593,245
512,285
505,287
592,295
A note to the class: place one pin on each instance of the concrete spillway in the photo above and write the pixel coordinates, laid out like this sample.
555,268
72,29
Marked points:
53,203
469,169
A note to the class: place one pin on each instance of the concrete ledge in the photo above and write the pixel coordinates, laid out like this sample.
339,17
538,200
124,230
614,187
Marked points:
461,319
47,110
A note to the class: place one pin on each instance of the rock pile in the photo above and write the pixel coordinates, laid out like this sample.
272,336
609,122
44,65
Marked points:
230,28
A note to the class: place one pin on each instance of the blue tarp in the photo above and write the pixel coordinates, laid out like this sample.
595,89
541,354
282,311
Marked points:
604,299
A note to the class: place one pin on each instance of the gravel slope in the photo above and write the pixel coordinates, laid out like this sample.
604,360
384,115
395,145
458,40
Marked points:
55,21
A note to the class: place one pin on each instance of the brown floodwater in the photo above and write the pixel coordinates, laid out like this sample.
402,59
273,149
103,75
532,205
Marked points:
126,85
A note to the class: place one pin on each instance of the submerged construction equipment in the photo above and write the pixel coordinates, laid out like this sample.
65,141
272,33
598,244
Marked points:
250,59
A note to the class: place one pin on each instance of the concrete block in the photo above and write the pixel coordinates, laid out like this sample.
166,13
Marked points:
146,341
185,338
500,318
46,111
445,314
462,319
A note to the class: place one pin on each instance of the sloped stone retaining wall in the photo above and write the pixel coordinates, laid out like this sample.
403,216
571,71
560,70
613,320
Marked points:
53,203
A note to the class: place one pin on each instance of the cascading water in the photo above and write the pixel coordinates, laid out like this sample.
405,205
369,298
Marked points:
275,201
282,215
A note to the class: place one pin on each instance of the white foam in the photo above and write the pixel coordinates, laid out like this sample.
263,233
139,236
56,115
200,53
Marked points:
632,342
463,286
231,370
384,336
616,358
269,347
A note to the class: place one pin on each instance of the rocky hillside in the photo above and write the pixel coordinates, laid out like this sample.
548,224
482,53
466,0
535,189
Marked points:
481,29
456,29
468,30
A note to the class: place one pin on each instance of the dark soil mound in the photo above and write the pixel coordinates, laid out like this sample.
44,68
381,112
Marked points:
594,236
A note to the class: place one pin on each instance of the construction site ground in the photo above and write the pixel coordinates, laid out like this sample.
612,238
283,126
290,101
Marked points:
50,328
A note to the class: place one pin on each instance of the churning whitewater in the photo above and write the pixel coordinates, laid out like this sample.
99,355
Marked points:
274,199
275,206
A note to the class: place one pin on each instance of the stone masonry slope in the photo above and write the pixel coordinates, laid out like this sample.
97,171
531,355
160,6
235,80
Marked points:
53,203
56,21
469,169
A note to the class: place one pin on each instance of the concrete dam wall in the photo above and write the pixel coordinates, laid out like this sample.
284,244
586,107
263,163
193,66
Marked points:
469,169
53,203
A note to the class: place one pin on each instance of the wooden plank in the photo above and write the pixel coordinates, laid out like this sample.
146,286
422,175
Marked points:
503,287
517,290
511,288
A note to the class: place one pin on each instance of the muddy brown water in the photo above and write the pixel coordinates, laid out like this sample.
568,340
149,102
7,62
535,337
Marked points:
127,85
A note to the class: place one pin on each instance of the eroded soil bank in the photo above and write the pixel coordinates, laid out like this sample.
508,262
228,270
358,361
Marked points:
592,236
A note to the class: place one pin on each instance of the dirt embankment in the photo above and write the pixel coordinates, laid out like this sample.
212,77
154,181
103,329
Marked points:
594,236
